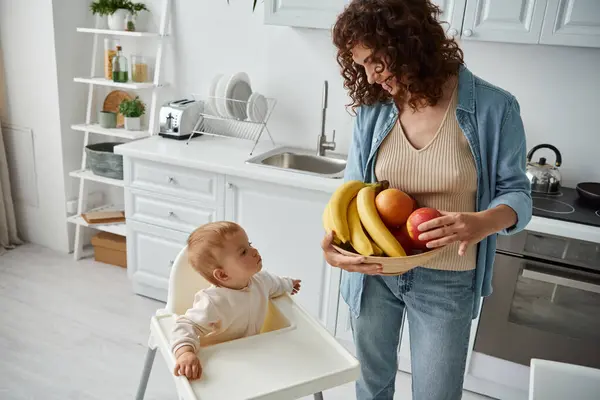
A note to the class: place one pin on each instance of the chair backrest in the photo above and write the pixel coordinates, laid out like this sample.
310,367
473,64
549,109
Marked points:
550,380
184,283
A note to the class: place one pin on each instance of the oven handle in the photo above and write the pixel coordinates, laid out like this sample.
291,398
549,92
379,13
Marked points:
557,280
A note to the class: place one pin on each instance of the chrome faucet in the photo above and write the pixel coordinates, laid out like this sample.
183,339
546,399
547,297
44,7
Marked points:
322,143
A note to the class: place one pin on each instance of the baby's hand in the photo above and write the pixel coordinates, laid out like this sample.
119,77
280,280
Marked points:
188,365
295,286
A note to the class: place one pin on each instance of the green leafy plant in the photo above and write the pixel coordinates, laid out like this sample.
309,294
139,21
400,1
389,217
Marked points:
135,8
132,108
102,7
253,5
109,7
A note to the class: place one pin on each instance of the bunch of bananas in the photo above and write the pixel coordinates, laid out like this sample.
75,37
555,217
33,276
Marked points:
352,215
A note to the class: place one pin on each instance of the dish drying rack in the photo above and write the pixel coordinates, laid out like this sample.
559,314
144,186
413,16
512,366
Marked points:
211,122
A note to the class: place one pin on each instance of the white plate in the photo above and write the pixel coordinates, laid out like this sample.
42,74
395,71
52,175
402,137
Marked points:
238,88
257,107
221,95
212,101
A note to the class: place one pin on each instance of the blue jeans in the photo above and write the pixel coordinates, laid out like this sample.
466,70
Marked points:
439,306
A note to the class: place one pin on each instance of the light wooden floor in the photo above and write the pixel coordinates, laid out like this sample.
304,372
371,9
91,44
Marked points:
75,330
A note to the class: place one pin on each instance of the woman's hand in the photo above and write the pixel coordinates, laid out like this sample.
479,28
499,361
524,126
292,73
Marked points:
348,263
467,228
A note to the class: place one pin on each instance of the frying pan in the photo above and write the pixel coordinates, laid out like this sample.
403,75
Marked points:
589,191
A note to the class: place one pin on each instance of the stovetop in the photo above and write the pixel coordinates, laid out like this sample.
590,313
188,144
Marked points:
565,206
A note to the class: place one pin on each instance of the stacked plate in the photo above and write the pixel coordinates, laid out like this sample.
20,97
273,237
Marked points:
231,96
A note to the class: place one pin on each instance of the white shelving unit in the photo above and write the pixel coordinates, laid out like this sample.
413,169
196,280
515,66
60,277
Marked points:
85,176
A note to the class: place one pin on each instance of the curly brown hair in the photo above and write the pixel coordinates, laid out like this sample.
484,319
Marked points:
407,38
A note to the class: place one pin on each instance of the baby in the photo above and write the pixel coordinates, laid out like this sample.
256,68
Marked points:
236,303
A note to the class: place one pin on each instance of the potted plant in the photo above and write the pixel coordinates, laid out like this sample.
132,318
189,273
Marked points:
117,11
132,110
134,9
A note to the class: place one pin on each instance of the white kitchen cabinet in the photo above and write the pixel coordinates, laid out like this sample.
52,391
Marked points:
452,15
515,21
303,13
323,13
284,224
151,251
572,23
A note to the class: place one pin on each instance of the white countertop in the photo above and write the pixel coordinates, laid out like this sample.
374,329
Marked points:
228,156
224,156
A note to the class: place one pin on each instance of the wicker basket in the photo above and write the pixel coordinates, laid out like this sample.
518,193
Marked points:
397,265
102,160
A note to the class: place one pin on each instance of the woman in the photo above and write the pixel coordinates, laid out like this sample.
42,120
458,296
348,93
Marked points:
454,142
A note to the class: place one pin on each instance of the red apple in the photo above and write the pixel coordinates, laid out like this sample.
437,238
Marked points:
419,216
401,235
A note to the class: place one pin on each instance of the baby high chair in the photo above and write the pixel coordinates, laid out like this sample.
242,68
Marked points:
293,356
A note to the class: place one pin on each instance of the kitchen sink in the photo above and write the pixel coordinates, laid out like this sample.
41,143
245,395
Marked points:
303,161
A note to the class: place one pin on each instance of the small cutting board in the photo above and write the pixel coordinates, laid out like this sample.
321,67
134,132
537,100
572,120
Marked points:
104,217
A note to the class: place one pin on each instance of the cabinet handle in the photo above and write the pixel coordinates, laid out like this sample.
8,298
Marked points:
452,32
468,33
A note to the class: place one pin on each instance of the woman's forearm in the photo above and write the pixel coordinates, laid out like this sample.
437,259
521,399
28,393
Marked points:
500,217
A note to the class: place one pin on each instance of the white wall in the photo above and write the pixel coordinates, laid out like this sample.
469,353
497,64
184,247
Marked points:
28,48
557,87
73,54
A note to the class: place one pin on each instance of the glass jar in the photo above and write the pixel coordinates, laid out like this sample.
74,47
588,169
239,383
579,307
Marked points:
139,68
110,51
130,22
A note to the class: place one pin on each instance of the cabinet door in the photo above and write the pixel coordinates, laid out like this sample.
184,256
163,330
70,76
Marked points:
284,224
516,21
151,251
452,15
572,23
303,13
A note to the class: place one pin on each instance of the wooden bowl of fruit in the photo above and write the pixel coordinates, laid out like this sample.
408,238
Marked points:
380,224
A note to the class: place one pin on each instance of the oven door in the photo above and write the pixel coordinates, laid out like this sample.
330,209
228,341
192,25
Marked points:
541,310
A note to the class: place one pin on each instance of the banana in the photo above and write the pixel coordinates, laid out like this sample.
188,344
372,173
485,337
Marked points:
338,205
358,238
376,249
374,225
328,223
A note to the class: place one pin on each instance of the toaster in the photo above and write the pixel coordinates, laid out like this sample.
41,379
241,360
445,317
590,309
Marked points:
179,118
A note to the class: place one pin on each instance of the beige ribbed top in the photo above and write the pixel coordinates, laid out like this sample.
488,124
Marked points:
441,175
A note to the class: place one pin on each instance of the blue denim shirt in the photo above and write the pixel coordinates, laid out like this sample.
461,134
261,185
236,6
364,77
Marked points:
489,117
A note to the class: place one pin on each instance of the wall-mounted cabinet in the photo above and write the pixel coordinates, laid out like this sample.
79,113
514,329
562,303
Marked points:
514,21
572,23
318,14
550,22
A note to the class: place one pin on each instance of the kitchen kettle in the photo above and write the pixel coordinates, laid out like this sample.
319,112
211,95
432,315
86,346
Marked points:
545,178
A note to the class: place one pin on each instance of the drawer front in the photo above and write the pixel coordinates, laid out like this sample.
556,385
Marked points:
151,251
168,212
176,181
